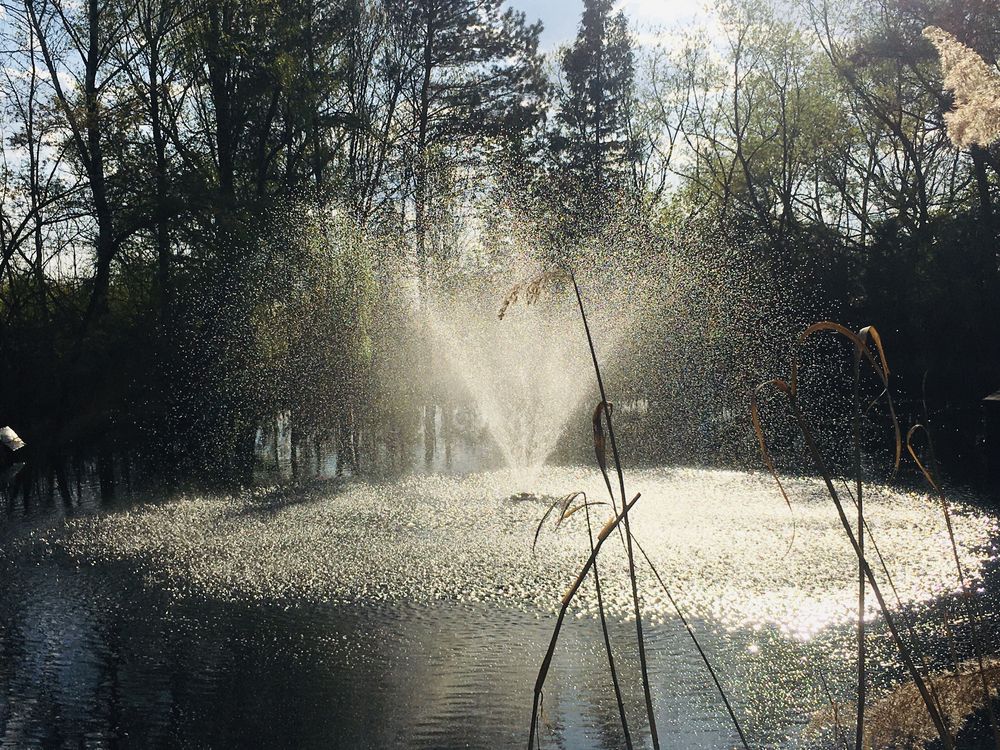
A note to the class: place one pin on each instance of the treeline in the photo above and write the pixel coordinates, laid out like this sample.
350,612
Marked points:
209,209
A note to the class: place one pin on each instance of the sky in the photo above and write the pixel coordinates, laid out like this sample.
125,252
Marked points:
561,17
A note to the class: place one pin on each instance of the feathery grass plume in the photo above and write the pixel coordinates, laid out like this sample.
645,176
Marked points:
533,289
975,118
867,346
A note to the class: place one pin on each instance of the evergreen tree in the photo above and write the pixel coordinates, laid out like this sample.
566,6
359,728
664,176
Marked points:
592,140
474,73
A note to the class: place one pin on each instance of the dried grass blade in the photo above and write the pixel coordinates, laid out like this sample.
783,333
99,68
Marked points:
563,501
577,508
600,439
543,671
697,645
765,453
876,359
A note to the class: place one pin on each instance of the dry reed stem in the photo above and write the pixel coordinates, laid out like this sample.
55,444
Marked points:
790,390
543,671
838,728
599,448
532,291
607,636
565,513
971,613
602,415
697,645
866,334
907,623
859,502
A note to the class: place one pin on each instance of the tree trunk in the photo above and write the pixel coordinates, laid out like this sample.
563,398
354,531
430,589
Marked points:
420,207
294,440
982,184
163,259
106,242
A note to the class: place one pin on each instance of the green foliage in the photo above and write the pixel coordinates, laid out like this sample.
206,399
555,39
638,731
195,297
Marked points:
593,140
171,210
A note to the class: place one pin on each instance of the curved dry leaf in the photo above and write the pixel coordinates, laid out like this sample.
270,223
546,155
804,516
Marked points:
600,440
758,429
913,454
878,363
871,332
565,512
858,341
569,512
548,511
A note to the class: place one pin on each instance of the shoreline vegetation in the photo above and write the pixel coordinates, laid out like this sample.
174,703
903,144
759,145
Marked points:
246,211
898,719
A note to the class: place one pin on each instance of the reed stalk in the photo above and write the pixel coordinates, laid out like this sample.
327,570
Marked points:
790,390
837,726
935,715
607,637
859,736
697,645
907,623
567,599
931,476
605,406
602,415
567,510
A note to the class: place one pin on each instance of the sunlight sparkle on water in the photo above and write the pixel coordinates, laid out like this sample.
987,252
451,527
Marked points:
721,540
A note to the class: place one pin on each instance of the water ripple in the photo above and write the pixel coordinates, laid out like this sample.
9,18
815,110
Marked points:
721,540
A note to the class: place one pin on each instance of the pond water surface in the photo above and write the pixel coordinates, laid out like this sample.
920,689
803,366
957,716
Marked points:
415,613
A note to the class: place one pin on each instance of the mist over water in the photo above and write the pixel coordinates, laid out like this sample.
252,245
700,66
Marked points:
525,374
683,326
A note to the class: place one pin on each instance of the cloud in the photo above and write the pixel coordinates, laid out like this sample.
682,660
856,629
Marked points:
660,13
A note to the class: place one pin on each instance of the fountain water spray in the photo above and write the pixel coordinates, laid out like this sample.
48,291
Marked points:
526,375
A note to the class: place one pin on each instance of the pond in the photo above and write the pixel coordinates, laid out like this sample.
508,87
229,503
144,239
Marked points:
415,613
